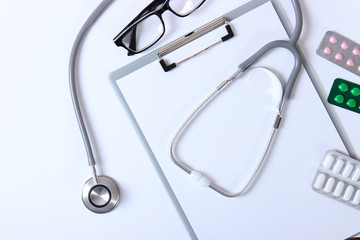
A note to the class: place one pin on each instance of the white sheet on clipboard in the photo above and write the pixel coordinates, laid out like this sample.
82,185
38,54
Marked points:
282,199
227,139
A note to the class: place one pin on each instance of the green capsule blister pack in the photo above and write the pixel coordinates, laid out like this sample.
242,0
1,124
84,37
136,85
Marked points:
345,94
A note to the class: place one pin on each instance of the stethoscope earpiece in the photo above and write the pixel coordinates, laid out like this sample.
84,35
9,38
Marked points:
101,196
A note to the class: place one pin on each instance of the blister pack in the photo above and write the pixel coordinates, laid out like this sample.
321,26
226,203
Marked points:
341,51
345,94
338,177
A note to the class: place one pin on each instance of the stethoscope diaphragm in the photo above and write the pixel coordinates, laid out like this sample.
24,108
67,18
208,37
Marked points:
101,196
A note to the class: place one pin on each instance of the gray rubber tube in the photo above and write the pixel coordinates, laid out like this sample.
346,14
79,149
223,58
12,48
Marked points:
289,45
316,82
72,77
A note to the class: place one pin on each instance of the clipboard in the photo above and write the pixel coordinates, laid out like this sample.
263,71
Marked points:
187,84
127,80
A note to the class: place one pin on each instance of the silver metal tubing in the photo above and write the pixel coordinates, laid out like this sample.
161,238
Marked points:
290,45
180,131
254,175
94,174
184,126
192,116
187,122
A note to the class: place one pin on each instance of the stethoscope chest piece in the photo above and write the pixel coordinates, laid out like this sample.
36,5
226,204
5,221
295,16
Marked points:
100,197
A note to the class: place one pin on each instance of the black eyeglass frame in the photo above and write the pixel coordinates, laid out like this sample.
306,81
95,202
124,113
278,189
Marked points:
157,8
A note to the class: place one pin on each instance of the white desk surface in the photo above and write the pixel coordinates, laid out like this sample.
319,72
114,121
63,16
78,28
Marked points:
43,162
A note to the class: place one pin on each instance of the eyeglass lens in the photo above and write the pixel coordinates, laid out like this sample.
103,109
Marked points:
147,31
184,7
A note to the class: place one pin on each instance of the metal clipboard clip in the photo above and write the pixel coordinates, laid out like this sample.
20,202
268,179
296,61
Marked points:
191,37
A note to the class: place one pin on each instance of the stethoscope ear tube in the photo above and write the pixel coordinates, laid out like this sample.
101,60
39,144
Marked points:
278,44
100,194
198,176
290,45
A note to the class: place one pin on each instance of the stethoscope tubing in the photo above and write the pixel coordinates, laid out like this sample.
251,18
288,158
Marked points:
290,45
72,78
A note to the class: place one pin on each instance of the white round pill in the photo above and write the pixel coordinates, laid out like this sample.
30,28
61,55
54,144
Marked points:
338,166
319,182
356,200
348,193
339,188
329,185
347,171
328,161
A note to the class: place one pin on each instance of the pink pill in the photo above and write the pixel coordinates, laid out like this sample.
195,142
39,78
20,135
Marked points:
356,51
327,51
333,40
350,62
345,45
339,56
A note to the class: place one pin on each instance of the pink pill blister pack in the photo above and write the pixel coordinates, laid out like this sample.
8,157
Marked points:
341,51
338,177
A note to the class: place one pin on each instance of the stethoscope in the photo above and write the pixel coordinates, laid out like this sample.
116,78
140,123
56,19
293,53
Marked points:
290,45
100,194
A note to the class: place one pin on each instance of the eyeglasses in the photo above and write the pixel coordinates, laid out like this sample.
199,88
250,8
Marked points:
148,27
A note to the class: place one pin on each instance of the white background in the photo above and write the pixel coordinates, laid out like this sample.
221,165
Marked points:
43,162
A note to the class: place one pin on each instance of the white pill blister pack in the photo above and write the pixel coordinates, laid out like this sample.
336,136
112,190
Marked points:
338,177
341,51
